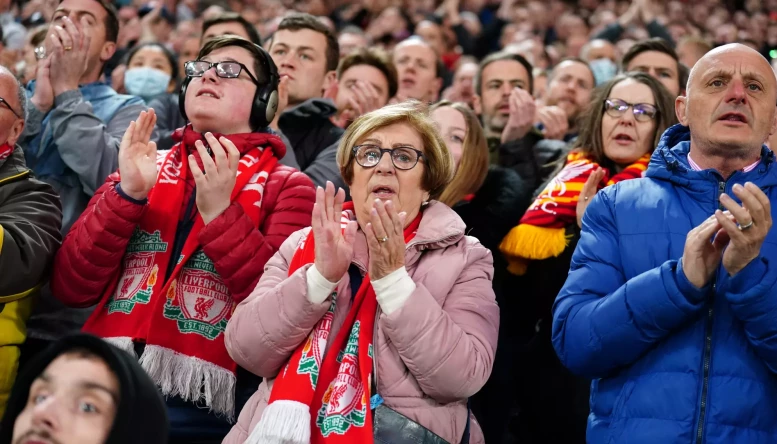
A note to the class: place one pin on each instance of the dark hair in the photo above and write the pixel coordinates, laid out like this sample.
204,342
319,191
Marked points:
376,58
224,41
298,21
39,35
590,141
655,44
499,56
233,17
169,54
351,29
111,21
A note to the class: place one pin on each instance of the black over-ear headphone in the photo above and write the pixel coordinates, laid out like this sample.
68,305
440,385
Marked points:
266,97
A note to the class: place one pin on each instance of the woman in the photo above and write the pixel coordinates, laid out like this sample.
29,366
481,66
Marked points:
173,241
149,70
425,310
622,126
490,201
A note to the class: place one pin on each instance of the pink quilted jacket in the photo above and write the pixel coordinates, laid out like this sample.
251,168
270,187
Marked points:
432,354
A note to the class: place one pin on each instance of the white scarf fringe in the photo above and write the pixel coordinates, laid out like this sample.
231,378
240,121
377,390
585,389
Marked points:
190,378
124,343
282,422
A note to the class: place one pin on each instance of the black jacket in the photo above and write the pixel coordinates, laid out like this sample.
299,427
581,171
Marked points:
533,157
141,415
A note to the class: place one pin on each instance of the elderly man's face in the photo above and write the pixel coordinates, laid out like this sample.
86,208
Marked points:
11,125
730,107
73,401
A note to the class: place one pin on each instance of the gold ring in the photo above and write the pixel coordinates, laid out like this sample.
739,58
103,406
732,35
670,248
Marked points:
585,197
383,239
68,48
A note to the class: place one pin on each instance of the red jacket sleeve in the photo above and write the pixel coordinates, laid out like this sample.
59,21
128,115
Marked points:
239,251
92,251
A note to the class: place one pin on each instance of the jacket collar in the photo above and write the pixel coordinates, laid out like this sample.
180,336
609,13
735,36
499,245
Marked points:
440,227
13,165
670,162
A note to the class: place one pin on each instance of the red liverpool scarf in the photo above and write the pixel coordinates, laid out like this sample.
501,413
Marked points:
182,319
324,398
5,151
541,233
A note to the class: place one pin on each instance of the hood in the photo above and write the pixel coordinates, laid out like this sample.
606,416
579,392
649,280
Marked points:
141,416
13,165
670,162
322,108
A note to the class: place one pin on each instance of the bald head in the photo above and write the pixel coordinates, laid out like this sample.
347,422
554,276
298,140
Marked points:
598,49
730,103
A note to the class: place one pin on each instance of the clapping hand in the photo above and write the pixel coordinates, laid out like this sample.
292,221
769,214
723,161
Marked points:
521,117
590,189
754,220
385,239
215,185
334,246
137,157
555,122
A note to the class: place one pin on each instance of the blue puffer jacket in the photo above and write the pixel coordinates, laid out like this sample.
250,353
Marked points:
670,363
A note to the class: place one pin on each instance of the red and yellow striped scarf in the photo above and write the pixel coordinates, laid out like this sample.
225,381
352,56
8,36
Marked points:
541,233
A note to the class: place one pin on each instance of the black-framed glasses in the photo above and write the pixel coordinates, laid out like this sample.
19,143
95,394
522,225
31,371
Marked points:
403,157
8,105
225,70
643,112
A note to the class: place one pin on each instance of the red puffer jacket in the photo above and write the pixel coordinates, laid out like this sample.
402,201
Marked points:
92,252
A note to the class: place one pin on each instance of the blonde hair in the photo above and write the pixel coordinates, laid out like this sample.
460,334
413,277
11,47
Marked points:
438,161
473,167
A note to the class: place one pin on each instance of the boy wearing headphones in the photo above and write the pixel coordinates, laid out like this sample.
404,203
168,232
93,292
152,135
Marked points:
175,240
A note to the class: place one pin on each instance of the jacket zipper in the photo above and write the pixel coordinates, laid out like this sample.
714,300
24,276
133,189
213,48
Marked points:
708,344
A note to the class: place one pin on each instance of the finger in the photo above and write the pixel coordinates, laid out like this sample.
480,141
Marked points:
315,219
761,196
373,94
329,202
372,239
356,105
742,216
319,205
219,154
207,161
377,224
56,43
339,199
64,38
86,33
73,33
395,221
151,151
138,129
196,171
590,183
232,152
721,239
750,203
385,218
729,225
126,140
350,232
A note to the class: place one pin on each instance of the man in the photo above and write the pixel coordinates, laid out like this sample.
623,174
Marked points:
30,219
520,135
600,56
569,88
73,130
677,331
350,39
366,80
420,70
229,23
82,390
307,54
691,49
656,58
173,241
431,31
463,87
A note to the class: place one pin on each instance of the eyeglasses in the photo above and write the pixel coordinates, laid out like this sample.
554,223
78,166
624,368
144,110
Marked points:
643,112
225,70
7,105
403,158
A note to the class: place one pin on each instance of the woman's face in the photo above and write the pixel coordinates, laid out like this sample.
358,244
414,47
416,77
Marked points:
626,138
453,129
153,57
404,188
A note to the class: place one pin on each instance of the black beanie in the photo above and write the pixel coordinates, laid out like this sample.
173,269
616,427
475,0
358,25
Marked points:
141,415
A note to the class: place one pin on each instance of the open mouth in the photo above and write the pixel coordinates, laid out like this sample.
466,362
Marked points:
733,117
408,83
207,93
624,138
383,191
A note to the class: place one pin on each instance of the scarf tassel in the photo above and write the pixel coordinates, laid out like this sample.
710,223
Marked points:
282,422
528,242
191,378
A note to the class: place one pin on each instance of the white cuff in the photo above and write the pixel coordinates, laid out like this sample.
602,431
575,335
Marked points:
319,288
393,290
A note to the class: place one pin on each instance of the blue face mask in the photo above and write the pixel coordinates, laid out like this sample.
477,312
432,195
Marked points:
603,69
146,82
